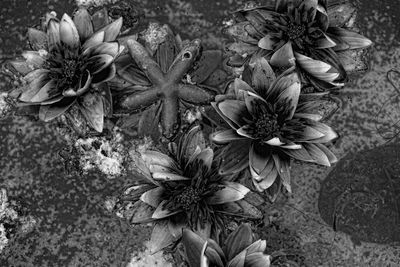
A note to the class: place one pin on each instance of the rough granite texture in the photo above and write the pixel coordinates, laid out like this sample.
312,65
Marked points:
74,229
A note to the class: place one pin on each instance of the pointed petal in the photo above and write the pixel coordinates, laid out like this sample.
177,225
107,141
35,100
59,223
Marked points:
162,212
105,75
317,68
235,111
230,192
153,196
160,237
299,154
20,66
290,96
268,181
49,90
317,154
112,30
35,81
240,87
332,158
96,39
152,157
98,63
348,39
111,49
258,246
139,212
281,84
83,23
50,112
69,35
235,157
34,58
238,260
167,176
283,57
267,42
238,240
225,136
258,259
263,75
92,108
283,167
37,39
195,247
274,142
324,42
53,35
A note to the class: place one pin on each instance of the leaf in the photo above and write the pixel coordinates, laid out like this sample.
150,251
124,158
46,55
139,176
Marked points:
92,108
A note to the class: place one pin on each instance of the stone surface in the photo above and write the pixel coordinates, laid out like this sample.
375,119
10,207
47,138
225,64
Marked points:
361,195
74,230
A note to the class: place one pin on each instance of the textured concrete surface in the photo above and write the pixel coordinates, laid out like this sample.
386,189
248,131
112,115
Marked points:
73,227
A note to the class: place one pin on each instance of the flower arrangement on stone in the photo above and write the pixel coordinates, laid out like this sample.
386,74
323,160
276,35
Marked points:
270,123
165,73
70,61
313,35
240,250
183,190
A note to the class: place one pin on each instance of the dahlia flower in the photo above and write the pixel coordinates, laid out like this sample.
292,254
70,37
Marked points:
313,35
240,250
183,190
70,60
270,122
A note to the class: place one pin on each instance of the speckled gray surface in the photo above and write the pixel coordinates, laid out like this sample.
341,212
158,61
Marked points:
73,228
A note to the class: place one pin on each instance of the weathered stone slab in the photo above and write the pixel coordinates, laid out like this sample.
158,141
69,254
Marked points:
361,195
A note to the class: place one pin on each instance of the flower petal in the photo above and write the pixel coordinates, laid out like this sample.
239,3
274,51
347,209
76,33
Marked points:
317,68
162,212
235,157
235,111
152,157
267,42
50,112
34,58
225,136
111,49
258,246
92,108
35,81
160,237
283,57
98,63
274,142
324,42
195,247
238,260
69,35
289,99
37,39
230,192
240,88
346,39
167,176
49,90
263,75
138,212
112,30
153,196
283,167
96,39
332,158
53,35
317,154
238,240
83,23
258,259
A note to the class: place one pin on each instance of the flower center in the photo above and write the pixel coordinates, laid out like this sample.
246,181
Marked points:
188,197
71,70
295,31
267,126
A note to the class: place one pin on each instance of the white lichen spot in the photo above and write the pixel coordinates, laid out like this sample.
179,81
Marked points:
102,154
94,3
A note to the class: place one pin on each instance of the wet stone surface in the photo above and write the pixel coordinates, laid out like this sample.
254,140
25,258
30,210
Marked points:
361,195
